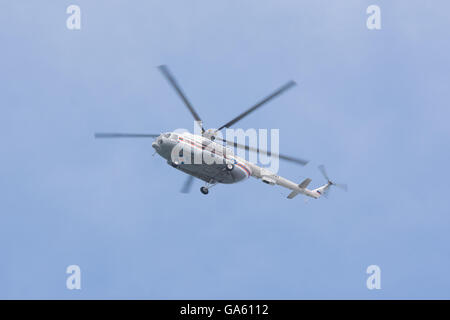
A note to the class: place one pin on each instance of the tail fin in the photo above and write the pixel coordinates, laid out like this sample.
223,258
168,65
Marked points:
322,191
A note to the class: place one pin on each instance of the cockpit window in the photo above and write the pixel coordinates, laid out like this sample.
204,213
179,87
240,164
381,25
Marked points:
167,135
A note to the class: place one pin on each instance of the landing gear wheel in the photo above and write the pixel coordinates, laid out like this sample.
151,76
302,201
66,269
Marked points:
229,166
204,190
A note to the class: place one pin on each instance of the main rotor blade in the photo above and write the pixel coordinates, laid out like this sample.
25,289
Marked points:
187,184
165,71
324,172
268,153
259,104
125,135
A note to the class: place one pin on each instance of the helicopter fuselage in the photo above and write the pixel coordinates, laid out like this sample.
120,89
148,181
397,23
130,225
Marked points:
202,158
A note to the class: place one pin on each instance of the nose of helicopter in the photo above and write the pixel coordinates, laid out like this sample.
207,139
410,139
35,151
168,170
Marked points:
155,143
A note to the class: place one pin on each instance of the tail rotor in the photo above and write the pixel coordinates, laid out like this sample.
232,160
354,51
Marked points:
341,186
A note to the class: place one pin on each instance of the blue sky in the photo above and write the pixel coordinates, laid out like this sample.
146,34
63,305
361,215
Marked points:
371,105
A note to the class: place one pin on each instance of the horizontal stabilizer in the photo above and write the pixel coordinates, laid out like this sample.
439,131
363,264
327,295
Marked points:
302,185
305,183
293,194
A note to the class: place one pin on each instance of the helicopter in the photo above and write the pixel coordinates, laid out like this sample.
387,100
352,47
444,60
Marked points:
216,162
